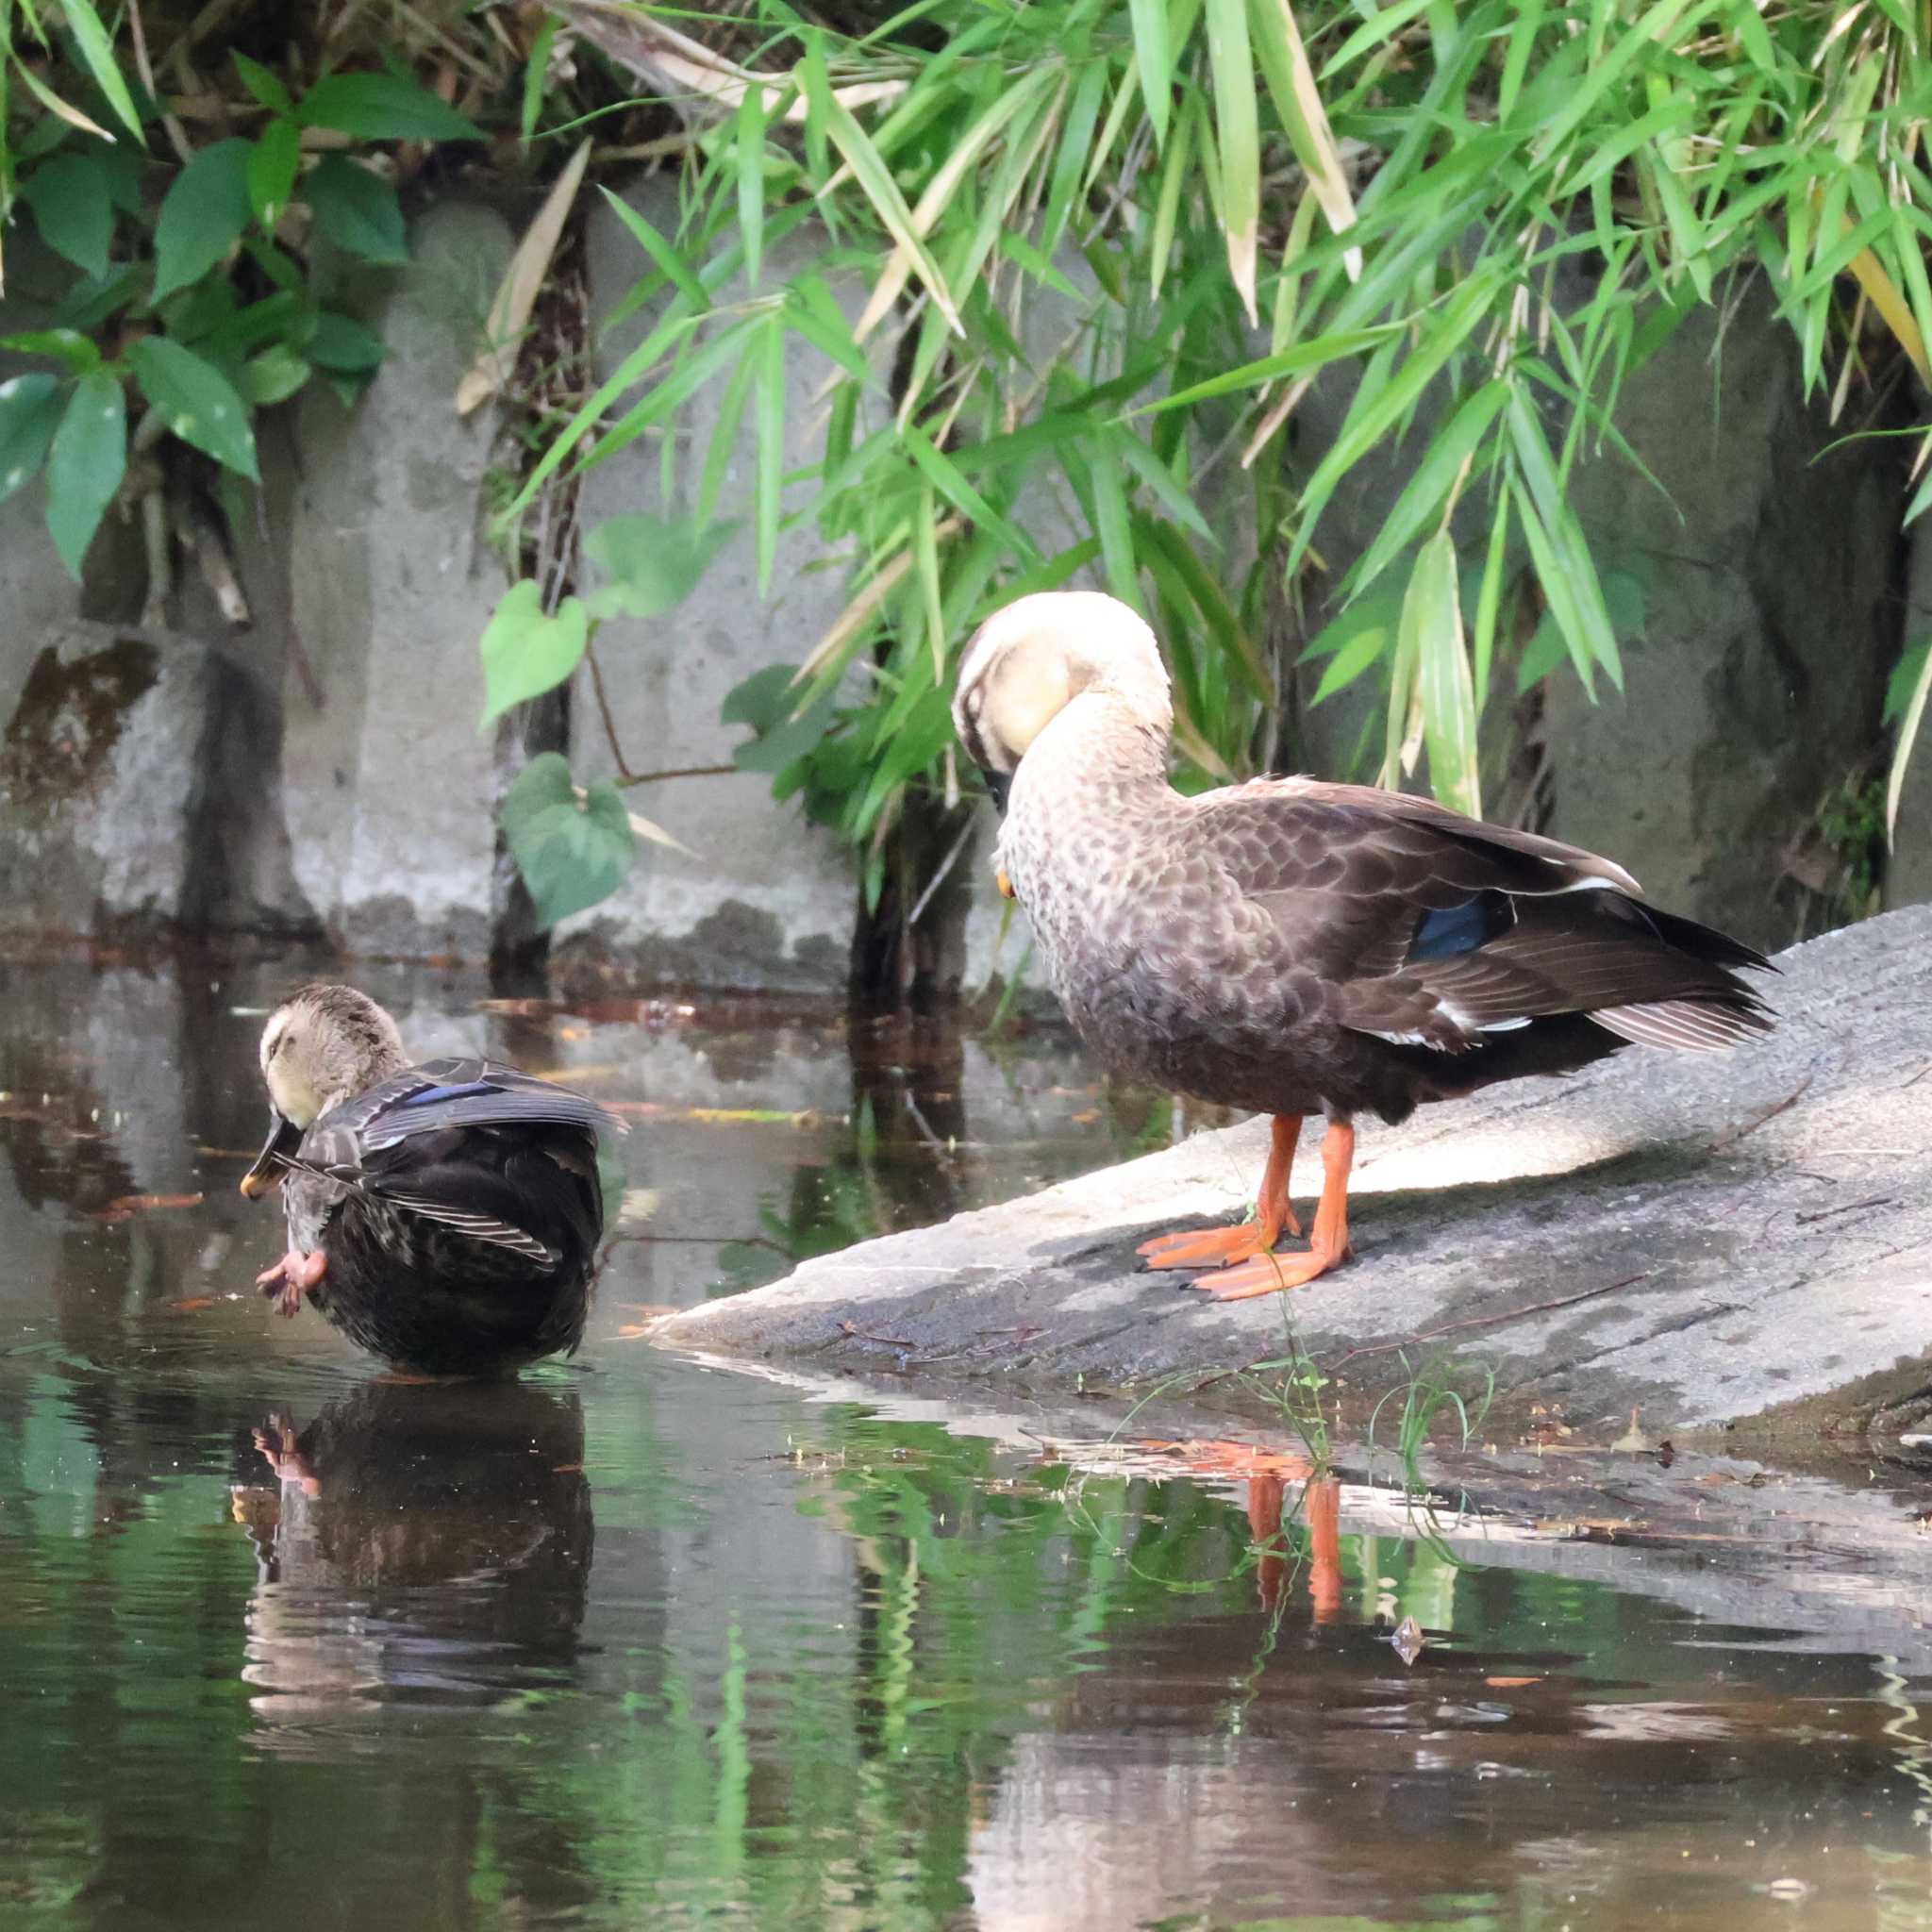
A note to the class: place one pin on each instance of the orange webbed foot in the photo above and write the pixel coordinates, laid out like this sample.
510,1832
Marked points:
1270,1273
1208,1247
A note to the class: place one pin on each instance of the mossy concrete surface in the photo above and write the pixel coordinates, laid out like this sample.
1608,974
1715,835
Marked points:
1709,1238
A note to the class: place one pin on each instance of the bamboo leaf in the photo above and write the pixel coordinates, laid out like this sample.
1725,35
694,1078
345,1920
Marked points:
926,551
1176,172
1317,352
1153,49
1452,446
62,110
751,179
1284,60
1352,659
659,250
509,313
96,49
537,74
1113,526
870,171
1375,411
1489,598
1908,737
948,480
1069,178
1238,134
1432,617
771,468
939,196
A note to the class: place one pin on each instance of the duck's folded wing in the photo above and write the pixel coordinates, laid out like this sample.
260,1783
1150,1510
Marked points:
466,1093
1641,974
1436,930
473,1201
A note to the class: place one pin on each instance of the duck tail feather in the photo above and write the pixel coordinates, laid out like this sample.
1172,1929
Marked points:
1690,1025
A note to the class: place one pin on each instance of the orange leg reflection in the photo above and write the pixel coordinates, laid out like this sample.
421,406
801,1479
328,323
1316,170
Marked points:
1268,1474
1321,1501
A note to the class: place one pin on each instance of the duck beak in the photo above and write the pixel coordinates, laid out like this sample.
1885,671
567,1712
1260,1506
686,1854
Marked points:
284,1138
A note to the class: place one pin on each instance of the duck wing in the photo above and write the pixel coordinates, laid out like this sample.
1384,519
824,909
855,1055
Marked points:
403,1141
1434,930
446,1093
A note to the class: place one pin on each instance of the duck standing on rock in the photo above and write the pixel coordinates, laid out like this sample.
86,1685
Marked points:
1294,947
444,1216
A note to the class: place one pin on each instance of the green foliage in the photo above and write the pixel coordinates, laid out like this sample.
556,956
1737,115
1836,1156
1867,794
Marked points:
650,565
86,463
194,292
573,851
196,401
356,210
527,651
1426,1395
1115,240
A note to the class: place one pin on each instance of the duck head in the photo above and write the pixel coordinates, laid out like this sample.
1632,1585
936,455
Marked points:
1028,662
321,1046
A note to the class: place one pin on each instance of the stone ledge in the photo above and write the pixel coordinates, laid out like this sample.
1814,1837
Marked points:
1712,1239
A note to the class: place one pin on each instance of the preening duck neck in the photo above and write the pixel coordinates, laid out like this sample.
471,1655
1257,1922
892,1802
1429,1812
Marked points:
1105,739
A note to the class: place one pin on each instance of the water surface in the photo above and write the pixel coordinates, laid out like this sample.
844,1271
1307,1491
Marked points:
288,1644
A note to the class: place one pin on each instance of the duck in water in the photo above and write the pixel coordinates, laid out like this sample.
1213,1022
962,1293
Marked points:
444,1216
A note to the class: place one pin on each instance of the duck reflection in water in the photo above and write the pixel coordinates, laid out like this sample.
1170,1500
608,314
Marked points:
416,1544
1278,1485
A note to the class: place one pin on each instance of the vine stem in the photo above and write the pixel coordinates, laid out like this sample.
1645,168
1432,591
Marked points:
630,778
625,775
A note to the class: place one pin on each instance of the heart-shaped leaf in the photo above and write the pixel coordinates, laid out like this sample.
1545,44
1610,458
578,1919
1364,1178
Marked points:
654,563
526,651
572,853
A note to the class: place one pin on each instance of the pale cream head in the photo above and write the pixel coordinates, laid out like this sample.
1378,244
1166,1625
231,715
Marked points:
324,1044
1026,663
